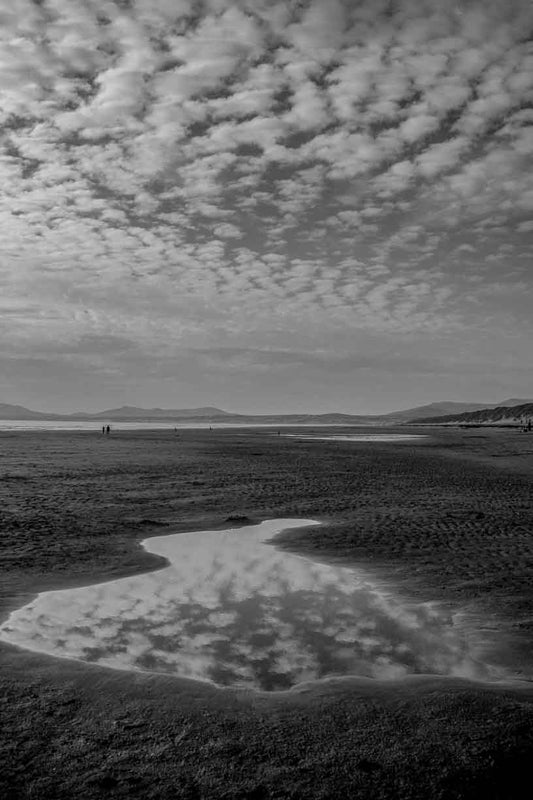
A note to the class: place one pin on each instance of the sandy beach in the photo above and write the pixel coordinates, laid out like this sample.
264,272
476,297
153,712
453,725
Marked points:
447,519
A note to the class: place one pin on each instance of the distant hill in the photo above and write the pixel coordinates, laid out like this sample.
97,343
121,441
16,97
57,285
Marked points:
8,411
500,415
513,401
133,413
442,412
433,410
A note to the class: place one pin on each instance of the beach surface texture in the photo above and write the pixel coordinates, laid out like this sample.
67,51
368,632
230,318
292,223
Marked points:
446,519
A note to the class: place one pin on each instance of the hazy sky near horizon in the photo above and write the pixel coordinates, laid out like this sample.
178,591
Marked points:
265,205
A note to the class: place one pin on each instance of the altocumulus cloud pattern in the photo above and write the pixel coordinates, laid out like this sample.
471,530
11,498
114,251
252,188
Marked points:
315,166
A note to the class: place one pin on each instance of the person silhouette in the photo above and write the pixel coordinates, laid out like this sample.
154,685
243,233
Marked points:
108,429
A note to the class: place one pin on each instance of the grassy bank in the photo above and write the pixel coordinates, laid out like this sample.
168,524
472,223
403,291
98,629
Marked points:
449,518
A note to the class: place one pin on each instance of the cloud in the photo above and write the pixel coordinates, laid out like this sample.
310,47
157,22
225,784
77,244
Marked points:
157,156
441,156
227,231
417,126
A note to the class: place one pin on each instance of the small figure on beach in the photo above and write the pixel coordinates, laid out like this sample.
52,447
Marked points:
108,429
103,428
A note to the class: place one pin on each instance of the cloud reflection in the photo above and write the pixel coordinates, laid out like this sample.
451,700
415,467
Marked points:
233,611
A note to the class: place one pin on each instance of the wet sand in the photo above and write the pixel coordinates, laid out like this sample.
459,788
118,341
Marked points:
447,519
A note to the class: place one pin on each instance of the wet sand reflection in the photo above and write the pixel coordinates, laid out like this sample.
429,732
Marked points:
235,611
360,437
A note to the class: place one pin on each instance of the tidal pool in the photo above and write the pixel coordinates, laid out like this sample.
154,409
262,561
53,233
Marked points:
236,611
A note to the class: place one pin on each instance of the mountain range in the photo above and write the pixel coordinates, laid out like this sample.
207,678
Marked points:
441,411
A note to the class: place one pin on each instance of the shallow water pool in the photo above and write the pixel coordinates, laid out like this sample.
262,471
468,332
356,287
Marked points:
361,437
236,611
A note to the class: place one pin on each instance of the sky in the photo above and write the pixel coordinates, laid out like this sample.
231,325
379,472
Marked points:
265,205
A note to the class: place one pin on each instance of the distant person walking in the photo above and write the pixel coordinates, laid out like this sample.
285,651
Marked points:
108,429
103,428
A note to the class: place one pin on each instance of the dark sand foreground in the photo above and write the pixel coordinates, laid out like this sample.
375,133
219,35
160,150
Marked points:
448,519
